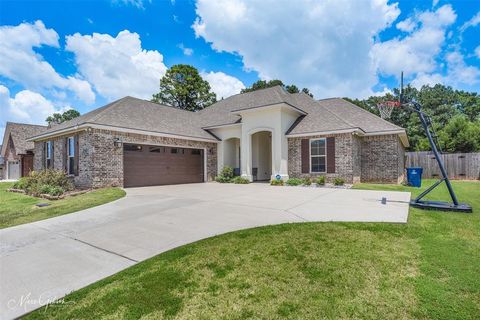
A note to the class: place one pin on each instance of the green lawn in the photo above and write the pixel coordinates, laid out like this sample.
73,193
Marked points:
428,268
17,208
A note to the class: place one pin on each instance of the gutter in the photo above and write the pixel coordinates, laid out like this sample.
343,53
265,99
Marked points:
86,126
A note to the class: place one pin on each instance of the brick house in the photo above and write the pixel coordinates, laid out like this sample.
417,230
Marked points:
262,134
16,152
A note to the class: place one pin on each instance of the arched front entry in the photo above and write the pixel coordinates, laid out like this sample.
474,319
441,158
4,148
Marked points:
261,155
231,154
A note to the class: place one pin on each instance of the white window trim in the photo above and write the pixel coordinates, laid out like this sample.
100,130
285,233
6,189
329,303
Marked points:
70,157
48,153
317,156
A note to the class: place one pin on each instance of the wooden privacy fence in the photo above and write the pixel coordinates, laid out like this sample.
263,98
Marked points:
458,165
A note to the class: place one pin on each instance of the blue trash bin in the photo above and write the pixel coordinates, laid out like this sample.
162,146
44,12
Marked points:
414,177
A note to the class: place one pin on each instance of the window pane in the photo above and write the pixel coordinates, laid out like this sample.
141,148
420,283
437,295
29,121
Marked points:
318,164
71,147
318,147
196,151
155,149
132,147
71,163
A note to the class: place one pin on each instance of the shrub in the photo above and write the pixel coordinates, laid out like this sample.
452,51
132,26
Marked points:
45,181
338,182
276,182
23,183
56,191
321,180
307,181
227,172
226,175
222,179
240,180
294,182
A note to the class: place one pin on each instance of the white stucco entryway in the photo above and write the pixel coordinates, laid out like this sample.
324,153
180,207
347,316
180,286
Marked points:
47,259
263,145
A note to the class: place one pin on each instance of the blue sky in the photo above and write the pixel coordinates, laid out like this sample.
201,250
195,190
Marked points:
56,55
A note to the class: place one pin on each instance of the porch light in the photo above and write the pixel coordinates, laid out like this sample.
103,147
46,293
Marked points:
117,142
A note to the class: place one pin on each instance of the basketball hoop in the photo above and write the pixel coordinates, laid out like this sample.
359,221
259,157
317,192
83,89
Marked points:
386,108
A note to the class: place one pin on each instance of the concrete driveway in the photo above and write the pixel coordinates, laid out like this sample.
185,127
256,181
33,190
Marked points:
45,260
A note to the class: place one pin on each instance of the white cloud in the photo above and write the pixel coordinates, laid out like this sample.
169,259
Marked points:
473,22
26,107
477,52
434,3
117,66
20,63
407,25
416,52
186,51
223,84
458,73
140,4
322,45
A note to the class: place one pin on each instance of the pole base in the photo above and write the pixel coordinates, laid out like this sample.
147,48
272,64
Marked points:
441,206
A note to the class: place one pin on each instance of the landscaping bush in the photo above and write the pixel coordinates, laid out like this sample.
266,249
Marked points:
52,182
307,181
321,180
240,180
23,183
276,182
294,182
226,175
338,182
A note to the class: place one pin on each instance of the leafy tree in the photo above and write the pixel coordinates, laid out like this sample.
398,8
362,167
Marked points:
62,117
263,84
183,87
454,114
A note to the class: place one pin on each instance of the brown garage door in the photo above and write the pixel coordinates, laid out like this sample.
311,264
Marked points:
155,165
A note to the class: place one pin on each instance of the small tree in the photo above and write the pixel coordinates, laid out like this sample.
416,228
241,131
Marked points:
62,117
263,84
183,87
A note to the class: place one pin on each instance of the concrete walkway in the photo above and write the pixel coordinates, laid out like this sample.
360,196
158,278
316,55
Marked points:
45,260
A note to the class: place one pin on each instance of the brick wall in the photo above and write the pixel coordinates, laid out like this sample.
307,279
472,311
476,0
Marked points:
345,157
357,159
101,163
84,178
382,159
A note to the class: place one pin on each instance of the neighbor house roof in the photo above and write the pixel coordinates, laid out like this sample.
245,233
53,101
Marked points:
137,114
20,132
315,116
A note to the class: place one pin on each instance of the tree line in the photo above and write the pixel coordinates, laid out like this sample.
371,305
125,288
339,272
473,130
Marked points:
455,114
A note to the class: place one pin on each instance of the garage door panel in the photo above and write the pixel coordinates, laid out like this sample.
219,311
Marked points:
164,166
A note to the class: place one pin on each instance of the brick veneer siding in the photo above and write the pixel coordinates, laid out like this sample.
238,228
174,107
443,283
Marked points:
383,159
101,163
85,157
346,155
357,159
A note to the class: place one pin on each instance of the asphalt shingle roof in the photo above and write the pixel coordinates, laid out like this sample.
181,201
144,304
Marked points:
321,115
20,132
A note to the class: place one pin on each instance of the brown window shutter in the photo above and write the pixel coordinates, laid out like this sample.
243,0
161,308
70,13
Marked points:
44,156
76,155
52,163
65,155
331,155
305,156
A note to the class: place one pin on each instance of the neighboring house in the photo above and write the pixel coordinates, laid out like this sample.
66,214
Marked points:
16,151
2,163
262,134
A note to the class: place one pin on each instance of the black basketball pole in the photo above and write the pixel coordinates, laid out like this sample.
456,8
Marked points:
426,204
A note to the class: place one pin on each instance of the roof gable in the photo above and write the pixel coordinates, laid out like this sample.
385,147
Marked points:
19,133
